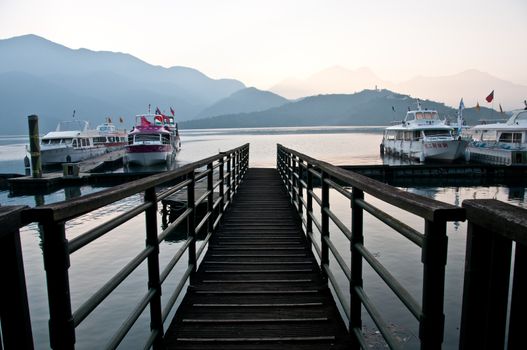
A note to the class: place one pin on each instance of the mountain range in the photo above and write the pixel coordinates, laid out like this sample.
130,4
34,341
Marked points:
51,80
472,85
368,107
41,77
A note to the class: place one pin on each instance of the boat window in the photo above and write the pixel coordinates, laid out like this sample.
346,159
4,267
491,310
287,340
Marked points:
522,116
147,138
417,135
74,142
99,140
67,141
436,133
165,139
54,141
390,135
83,142
399,135
488,135
130,139
511,137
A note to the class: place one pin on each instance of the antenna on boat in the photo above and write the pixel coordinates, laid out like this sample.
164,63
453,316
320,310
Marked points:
418,105
149,108
73,116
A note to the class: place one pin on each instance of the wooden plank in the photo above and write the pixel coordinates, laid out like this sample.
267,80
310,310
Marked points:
259,285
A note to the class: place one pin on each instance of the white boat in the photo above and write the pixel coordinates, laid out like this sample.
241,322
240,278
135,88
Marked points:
422,135
500,143
153,140
73,141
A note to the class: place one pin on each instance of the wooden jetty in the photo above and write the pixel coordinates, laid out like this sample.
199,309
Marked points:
261,276
259,285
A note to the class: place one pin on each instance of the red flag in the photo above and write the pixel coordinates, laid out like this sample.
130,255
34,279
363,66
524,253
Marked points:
145,122
172,111
490,97
158,111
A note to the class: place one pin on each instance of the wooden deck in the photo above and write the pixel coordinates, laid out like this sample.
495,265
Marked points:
259,286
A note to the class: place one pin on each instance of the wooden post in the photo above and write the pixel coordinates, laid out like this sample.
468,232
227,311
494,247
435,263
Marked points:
300,188
56,264
191,226
14,308
222,183
357,238
518,302
294,184
324,259
433,257
485,290
156,318
210,199
309,210
34,146
229,176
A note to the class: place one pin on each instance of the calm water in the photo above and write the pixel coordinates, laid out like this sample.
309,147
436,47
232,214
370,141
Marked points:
92,266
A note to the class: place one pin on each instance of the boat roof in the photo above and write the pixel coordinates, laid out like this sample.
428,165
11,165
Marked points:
61,134
518,121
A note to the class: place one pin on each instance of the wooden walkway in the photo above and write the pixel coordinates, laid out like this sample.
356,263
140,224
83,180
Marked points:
259,286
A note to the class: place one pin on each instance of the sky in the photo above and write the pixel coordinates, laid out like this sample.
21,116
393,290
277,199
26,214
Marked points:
264,42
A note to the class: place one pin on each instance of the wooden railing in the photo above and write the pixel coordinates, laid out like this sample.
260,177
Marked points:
299,172
491,310
230,168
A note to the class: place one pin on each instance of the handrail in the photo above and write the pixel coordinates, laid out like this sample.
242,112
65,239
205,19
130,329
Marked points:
57,248
493,307
294,167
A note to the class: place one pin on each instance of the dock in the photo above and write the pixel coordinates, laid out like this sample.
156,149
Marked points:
258,269
259,285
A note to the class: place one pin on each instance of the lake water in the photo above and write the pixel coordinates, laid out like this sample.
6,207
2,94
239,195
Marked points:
92,266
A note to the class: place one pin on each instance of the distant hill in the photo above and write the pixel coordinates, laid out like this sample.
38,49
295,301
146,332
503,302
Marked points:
333,80
368,107
95,84
472,85
243,101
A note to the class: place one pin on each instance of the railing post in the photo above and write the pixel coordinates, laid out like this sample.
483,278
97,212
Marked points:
357,238
229,177
156,318
233,180
222,184
294,183
433,257
14,309
518,302
485,290
56,264
289,172
210,198
191,220
324,259
300,188
309,210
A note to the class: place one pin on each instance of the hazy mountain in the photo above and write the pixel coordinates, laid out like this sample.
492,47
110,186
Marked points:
243,101
368,107
472,85
333,80
103,83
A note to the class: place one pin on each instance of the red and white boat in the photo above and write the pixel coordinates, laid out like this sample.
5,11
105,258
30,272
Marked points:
153,140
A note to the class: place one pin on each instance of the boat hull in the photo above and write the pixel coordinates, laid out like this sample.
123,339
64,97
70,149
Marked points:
69,154
146,155
444,150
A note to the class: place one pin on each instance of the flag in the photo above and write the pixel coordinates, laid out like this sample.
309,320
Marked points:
145,122
490,97
172,111
73,114
501,109
477,106
393,108
461,105
158,111
525,103
109,120
121,120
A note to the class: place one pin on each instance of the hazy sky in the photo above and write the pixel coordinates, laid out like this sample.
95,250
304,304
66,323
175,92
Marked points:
263,42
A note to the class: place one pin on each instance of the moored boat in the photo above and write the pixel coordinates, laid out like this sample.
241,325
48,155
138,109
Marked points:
422,135
500,143
73,141
153,140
